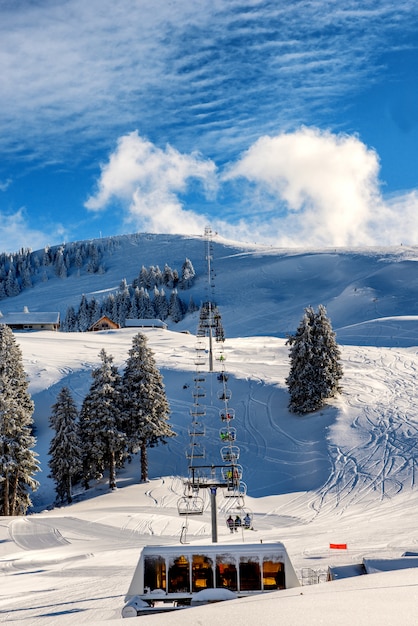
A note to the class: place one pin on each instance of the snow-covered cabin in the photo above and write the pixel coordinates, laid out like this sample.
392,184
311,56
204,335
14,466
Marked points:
145,323
41,320
104,323
189,575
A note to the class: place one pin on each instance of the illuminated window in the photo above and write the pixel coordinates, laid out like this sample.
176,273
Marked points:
273,574
179,575
154,572
202,573
226,572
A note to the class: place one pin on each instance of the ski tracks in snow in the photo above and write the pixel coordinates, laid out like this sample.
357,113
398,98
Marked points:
377,447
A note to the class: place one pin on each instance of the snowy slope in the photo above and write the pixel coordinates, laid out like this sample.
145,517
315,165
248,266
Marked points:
345,474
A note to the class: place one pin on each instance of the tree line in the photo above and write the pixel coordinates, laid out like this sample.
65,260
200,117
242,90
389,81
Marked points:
120,416
135,302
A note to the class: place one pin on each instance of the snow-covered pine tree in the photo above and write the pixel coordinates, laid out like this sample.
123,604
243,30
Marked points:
143,277
83,316
315,369
145,405
328,354
168,277
12,285
160,303
70,324
18,462
102,437
187,274
65,448
175,307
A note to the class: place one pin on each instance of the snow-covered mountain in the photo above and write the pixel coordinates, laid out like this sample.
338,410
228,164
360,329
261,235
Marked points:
311,480
370,294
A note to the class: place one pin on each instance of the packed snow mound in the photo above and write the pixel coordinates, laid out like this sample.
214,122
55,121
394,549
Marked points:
207,596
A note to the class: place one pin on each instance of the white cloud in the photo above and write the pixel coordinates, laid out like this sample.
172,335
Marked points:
5,184
16,233
148,180
328,184
308,188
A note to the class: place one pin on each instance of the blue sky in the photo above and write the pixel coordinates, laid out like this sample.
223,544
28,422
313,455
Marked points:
285,123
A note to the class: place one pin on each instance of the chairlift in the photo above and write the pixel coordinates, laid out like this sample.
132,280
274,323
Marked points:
196,429
199,392
228,434
224,394
235,490
227,415
195,451
232,473
197,410
190,505
230,454
222,377
239,518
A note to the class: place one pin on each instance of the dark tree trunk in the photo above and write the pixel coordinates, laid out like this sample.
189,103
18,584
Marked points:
112,470
144,462
5,485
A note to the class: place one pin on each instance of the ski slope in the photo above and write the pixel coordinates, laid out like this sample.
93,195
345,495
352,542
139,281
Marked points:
346,474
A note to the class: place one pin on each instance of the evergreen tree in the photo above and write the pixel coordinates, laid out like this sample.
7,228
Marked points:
18,462
168,277
143,277
192,308
102,437
12,284
65,448
315,369
145,405
175,307
70,324
160,304
84,320
187,274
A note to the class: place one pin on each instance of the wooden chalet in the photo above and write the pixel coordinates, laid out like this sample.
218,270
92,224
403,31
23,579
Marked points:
104,323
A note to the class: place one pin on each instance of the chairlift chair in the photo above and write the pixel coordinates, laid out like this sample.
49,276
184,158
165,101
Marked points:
237,489
230,454
196,429
232,473
227,414
197,410
244,515
195,451
190,505
224,394
228,434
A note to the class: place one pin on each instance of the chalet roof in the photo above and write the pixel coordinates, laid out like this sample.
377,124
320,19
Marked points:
39,317
145,323
104,318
